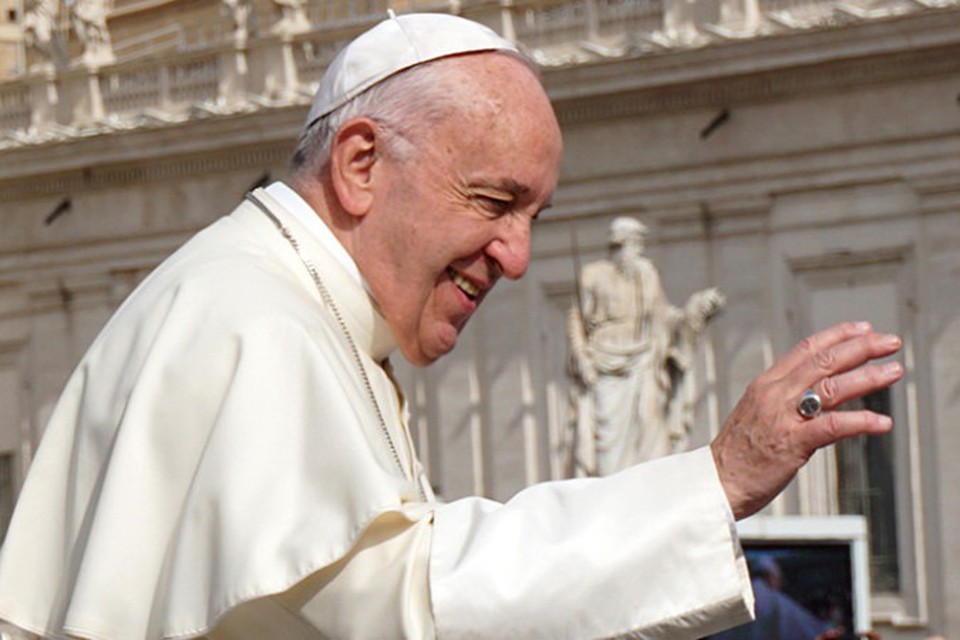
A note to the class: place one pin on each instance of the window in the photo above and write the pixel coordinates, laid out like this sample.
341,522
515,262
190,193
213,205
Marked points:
877,477
866,481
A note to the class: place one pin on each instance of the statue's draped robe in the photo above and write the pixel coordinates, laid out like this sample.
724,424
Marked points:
215,466
629,333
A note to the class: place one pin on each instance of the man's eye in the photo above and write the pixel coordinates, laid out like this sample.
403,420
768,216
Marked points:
495,205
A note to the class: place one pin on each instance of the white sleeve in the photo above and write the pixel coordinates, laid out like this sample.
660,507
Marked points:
650,552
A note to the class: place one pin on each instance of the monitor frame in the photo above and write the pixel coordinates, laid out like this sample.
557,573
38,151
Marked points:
848,530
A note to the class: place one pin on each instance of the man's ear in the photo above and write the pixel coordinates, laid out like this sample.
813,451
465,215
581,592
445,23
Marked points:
353,155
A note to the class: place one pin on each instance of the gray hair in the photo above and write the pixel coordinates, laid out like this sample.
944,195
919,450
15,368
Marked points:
404,105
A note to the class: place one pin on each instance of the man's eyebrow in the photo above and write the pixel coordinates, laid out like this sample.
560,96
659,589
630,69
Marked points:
507,184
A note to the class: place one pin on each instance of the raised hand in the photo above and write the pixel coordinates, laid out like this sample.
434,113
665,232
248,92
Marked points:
766,440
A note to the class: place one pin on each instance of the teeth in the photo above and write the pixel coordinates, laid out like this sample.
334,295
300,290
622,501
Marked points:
468,287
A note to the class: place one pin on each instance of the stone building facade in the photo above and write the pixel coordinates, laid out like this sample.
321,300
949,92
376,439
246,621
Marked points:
803,156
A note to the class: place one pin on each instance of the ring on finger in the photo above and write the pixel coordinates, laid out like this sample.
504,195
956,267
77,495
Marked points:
809,406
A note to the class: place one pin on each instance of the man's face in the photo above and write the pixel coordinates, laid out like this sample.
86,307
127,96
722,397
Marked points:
456,216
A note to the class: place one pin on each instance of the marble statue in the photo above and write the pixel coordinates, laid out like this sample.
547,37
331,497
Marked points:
630,351
39,30
89,20
239,10
293,16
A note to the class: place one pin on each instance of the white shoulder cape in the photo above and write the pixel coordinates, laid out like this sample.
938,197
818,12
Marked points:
193,475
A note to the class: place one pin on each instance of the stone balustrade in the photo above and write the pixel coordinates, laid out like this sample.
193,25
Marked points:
182,71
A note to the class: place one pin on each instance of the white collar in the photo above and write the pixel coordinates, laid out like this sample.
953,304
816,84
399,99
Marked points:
305,215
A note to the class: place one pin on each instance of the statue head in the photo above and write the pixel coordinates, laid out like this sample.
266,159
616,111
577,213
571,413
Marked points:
624,230
626,238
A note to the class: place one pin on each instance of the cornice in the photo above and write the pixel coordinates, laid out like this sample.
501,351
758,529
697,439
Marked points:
702,78
260,140
42,261
938,194
11,348
758,70
930,162
930,29
848,259
88,291
167,169
225,160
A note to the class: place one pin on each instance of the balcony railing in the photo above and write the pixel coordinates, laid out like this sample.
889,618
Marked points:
539,24
132,90
206,68
14,107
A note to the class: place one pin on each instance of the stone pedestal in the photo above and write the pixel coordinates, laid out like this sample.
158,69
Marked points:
98,55
290,76
232,87
94,97
293,18
682,20
739,18
44,98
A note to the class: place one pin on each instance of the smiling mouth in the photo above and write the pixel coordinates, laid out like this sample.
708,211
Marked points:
471,290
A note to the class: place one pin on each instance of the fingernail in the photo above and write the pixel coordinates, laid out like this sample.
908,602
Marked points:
862,326
891,369
885,422
891,340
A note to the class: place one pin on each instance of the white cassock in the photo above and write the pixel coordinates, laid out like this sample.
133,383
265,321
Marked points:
216,467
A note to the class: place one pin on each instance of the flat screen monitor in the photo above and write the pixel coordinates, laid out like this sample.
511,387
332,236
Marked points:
809,575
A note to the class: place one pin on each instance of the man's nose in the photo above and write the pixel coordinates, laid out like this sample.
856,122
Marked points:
510,249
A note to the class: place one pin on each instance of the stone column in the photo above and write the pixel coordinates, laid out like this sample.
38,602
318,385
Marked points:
508,30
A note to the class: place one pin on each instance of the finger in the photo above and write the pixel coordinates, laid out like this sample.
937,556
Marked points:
816,343
839,358
836,425
835,390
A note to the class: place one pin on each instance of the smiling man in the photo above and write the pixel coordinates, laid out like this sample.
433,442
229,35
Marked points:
433,191
230,458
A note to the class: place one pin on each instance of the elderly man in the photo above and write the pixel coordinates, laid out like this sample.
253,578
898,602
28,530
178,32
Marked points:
230,458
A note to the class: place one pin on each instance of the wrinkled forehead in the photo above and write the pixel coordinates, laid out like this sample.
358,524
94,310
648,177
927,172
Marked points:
496,83
504,114
491,100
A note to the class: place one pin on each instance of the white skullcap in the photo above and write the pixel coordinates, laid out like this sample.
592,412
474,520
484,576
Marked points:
398,43
624,228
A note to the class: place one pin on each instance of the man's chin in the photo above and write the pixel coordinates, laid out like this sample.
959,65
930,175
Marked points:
421,353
